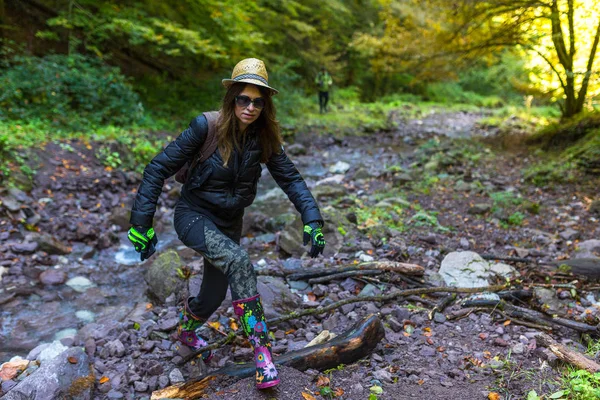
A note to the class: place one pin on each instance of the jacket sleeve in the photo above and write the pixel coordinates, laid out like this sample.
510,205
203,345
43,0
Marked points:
165,165
291,182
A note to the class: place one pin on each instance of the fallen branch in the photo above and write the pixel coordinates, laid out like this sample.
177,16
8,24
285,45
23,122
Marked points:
336,305
352,345
346,274
567,355
442,304
535,316
589,267
390,266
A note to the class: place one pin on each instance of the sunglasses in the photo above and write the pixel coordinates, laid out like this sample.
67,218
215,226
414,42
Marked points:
244,101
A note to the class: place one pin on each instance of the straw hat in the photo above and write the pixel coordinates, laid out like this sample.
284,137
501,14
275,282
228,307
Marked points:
250,70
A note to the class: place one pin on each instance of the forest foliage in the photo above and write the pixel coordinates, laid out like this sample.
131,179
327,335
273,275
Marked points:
176,52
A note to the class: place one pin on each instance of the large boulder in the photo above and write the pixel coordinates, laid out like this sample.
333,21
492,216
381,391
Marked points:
162,277
469,269
70,375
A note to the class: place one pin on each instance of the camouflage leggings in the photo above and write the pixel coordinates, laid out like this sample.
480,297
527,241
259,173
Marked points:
226,263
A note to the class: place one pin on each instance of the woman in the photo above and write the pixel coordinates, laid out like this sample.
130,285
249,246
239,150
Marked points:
208,215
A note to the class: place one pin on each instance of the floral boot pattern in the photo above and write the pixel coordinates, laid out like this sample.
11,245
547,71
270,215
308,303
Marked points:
186,331
252,319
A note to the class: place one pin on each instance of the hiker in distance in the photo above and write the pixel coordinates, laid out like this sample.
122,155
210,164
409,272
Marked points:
225,150
323,82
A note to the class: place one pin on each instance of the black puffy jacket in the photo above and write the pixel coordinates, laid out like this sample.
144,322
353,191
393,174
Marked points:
219,192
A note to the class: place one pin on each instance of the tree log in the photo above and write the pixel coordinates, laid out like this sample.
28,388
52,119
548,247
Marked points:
567,355
589,267
347,348
390,266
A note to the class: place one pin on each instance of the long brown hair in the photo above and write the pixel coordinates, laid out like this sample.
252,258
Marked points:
266,125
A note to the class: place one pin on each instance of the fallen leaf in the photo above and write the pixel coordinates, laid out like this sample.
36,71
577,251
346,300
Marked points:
507,322
308,396
421,381
289,331
493,396
233,324
338,392
429,341
104,379
322,381
72,360
311,296
11,369
215,325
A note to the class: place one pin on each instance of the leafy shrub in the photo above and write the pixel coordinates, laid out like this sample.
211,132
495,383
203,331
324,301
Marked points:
69,91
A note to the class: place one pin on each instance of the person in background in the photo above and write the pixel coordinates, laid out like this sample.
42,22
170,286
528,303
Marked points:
323,82
208,215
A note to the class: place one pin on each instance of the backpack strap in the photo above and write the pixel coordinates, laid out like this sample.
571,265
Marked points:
210,143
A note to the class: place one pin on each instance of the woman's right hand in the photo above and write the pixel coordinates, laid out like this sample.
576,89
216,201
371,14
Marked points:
144,240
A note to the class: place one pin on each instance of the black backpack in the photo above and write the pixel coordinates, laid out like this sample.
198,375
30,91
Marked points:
208,148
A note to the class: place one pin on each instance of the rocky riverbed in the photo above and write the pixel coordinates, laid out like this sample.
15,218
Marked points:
429,192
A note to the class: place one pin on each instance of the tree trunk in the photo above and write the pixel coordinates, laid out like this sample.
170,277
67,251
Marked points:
2,24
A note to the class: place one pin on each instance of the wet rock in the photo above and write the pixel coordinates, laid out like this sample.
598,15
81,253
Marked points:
119,216
80,284
340,167
48,243
277,297
53,277
69,374
47,351
162,277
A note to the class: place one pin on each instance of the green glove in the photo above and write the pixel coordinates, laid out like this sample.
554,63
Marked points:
144,240
313,233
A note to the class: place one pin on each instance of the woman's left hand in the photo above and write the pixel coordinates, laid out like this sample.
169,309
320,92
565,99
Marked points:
313,234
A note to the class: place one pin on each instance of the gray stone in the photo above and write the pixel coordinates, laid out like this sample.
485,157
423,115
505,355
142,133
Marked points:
439,318
114,394
588,249
80,284
569,234
383,375
53,277
276,296
69,374
162,277
465,269
49,244
503,270
480,208
340,167
299,285
50,351
140,386
24,247
175,376
370,290
116,348
518,348
119,216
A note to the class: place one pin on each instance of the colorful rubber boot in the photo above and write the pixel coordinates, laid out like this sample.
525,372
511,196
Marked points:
252,319
186,331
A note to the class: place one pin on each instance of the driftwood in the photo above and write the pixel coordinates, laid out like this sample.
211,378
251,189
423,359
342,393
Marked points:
589,267
347,348
389,266
567,355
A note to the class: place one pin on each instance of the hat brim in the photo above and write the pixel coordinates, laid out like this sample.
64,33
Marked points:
229,82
